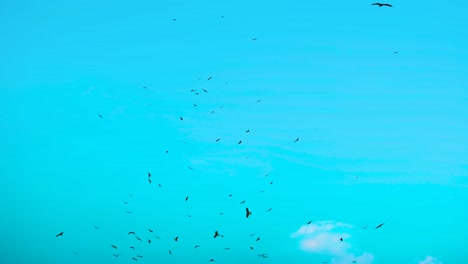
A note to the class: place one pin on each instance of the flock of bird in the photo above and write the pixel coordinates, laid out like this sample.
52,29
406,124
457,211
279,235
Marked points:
216,233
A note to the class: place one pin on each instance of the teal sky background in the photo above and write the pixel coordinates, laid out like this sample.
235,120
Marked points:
382,136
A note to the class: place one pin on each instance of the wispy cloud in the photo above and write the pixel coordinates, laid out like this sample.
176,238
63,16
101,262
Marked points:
323,237
430,260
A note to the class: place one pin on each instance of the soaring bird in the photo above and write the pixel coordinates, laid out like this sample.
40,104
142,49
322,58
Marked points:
134,259
379,226
218,139
341,239
251,248
269,210
240,141
149,180
230,195
132,247
209,78
380,4
138,238
95,227
131,233
149,175
254,39
216,234
59,234
247,131
196,246
211,260
100,116
149,241
247,212
186,198
190,167
129,212
114,246
258,101
226,248
310,222
176,238
181,118
139,256
297,139
145,87
242,202
116,255
258,239
170,252
396,52
364,227
125,202
263,255
205,90
150,230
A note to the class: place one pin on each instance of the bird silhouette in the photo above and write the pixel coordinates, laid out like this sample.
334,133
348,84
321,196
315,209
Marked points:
116,255
242,202
263,255
341,239
149,241
138,238
176,238
205,90
380,4
131,233
95,227
247,131
269,210
149,175
226,248
125,202
139,256
258,239
186,198
59,234
150,230
216,234
181,118
170,252
100,116
247,212
240,141
310,222
209,78
114,246
251,248
218,139
379,226
297,139
211,260
132,247
254,39
149,180
197,246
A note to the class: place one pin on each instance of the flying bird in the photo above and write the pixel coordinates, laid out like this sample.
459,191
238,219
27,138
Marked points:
247,131
212,112
209,78
196,246
263,255
138,238
176,238
211,260
100,116
186,198
190,167
297,139
116,255
396,52
310,222
254,39
242,202
251,248
114,246
205,90
150,230
170,252
149,181
95,227
194,105
181,118
149,175
134,259
216,234
132,247
258,238
139,256
380,4
258,101
218,139
226,248
240,141
230,195
125,202
252,235
379,226
59,234
145,87
129,212
269,210
131,233
149,241
364,227
341,239
247,212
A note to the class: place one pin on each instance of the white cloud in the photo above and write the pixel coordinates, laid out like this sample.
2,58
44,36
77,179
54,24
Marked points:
430,260
323,237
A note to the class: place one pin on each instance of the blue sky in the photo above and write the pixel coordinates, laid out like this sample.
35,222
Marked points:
382,136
